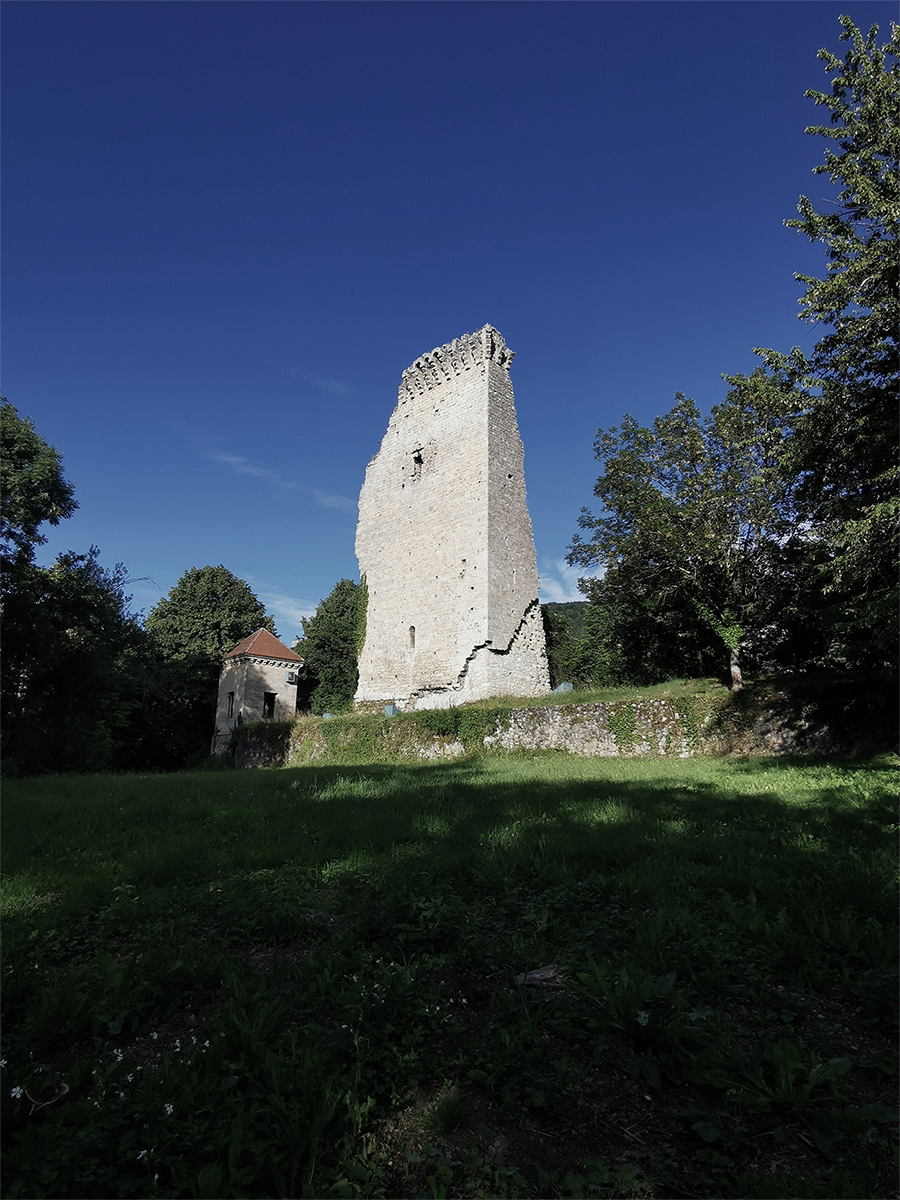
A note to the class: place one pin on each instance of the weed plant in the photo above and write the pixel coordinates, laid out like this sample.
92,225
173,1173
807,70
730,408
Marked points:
326,981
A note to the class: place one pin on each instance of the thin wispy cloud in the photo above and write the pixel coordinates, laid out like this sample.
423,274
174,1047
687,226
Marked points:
245,466
287,610
337,387
559,581
329,500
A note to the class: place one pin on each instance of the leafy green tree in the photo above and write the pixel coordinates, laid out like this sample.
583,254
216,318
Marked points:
206,614
633,635
190,631
33,488
70,675
332,641
697,519
584,643
67,687
562,642
844,449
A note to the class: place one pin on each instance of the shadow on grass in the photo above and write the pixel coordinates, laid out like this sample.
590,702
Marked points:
705,823
317,921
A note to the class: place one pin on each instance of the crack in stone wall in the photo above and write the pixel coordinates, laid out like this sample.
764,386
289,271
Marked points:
532,609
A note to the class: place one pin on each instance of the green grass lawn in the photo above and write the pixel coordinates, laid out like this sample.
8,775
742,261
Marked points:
326,981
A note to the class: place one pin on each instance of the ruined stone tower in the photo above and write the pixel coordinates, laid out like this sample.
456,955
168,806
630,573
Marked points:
444,539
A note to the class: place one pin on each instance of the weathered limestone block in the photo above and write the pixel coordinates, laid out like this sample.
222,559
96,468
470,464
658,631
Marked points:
444,539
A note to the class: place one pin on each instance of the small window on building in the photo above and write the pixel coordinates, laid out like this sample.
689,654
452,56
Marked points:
268,705
231,704
412,637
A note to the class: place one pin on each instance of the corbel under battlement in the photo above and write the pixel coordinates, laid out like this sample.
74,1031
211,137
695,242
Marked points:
470,352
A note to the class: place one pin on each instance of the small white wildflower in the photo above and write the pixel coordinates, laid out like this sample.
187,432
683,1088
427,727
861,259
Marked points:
193,1041
154,1036
16,1093
178,1043
206,1044
143,1154
119,1055
170,1108
121,1095
129,1078
2,1062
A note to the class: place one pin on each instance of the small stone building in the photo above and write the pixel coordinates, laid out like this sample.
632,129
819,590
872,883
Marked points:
258,683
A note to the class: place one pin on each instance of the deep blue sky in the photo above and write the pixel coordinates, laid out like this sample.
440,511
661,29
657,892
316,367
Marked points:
228,228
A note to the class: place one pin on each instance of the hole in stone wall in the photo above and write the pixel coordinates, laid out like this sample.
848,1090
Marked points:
412,637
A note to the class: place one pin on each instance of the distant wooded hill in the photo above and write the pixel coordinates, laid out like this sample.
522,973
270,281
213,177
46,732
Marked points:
572,613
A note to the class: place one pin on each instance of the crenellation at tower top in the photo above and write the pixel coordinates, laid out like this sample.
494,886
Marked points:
463,354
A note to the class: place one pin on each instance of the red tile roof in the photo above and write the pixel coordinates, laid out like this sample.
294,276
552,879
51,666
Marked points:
264,645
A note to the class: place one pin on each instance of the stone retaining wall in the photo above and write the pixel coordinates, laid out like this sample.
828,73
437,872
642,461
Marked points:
632,728
619,728
850,716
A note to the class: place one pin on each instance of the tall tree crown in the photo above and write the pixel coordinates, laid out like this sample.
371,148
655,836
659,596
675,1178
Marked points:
206,614
858,295
33,488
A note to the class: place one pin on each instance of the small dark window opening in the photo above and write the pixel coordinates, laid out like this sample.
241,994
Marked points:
268,705
417,464
412,637
231,704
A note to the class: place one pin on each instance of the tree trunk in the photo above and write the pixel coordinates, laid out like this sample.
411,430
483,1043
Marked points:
737,681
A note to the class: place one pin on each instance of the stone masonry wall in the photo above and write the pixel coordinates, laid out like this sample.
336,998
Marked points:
811,720
444,538
634,728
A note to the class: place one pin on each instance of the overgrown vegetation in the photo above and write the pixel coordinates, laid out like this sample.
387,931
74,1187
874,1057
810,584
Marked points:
373,738
189,632
70,642
766,533
817,714
332,642
86,686
500,977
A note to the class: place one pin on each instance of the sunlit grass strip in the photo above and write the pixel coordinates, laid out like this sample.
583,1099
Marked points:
80,836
